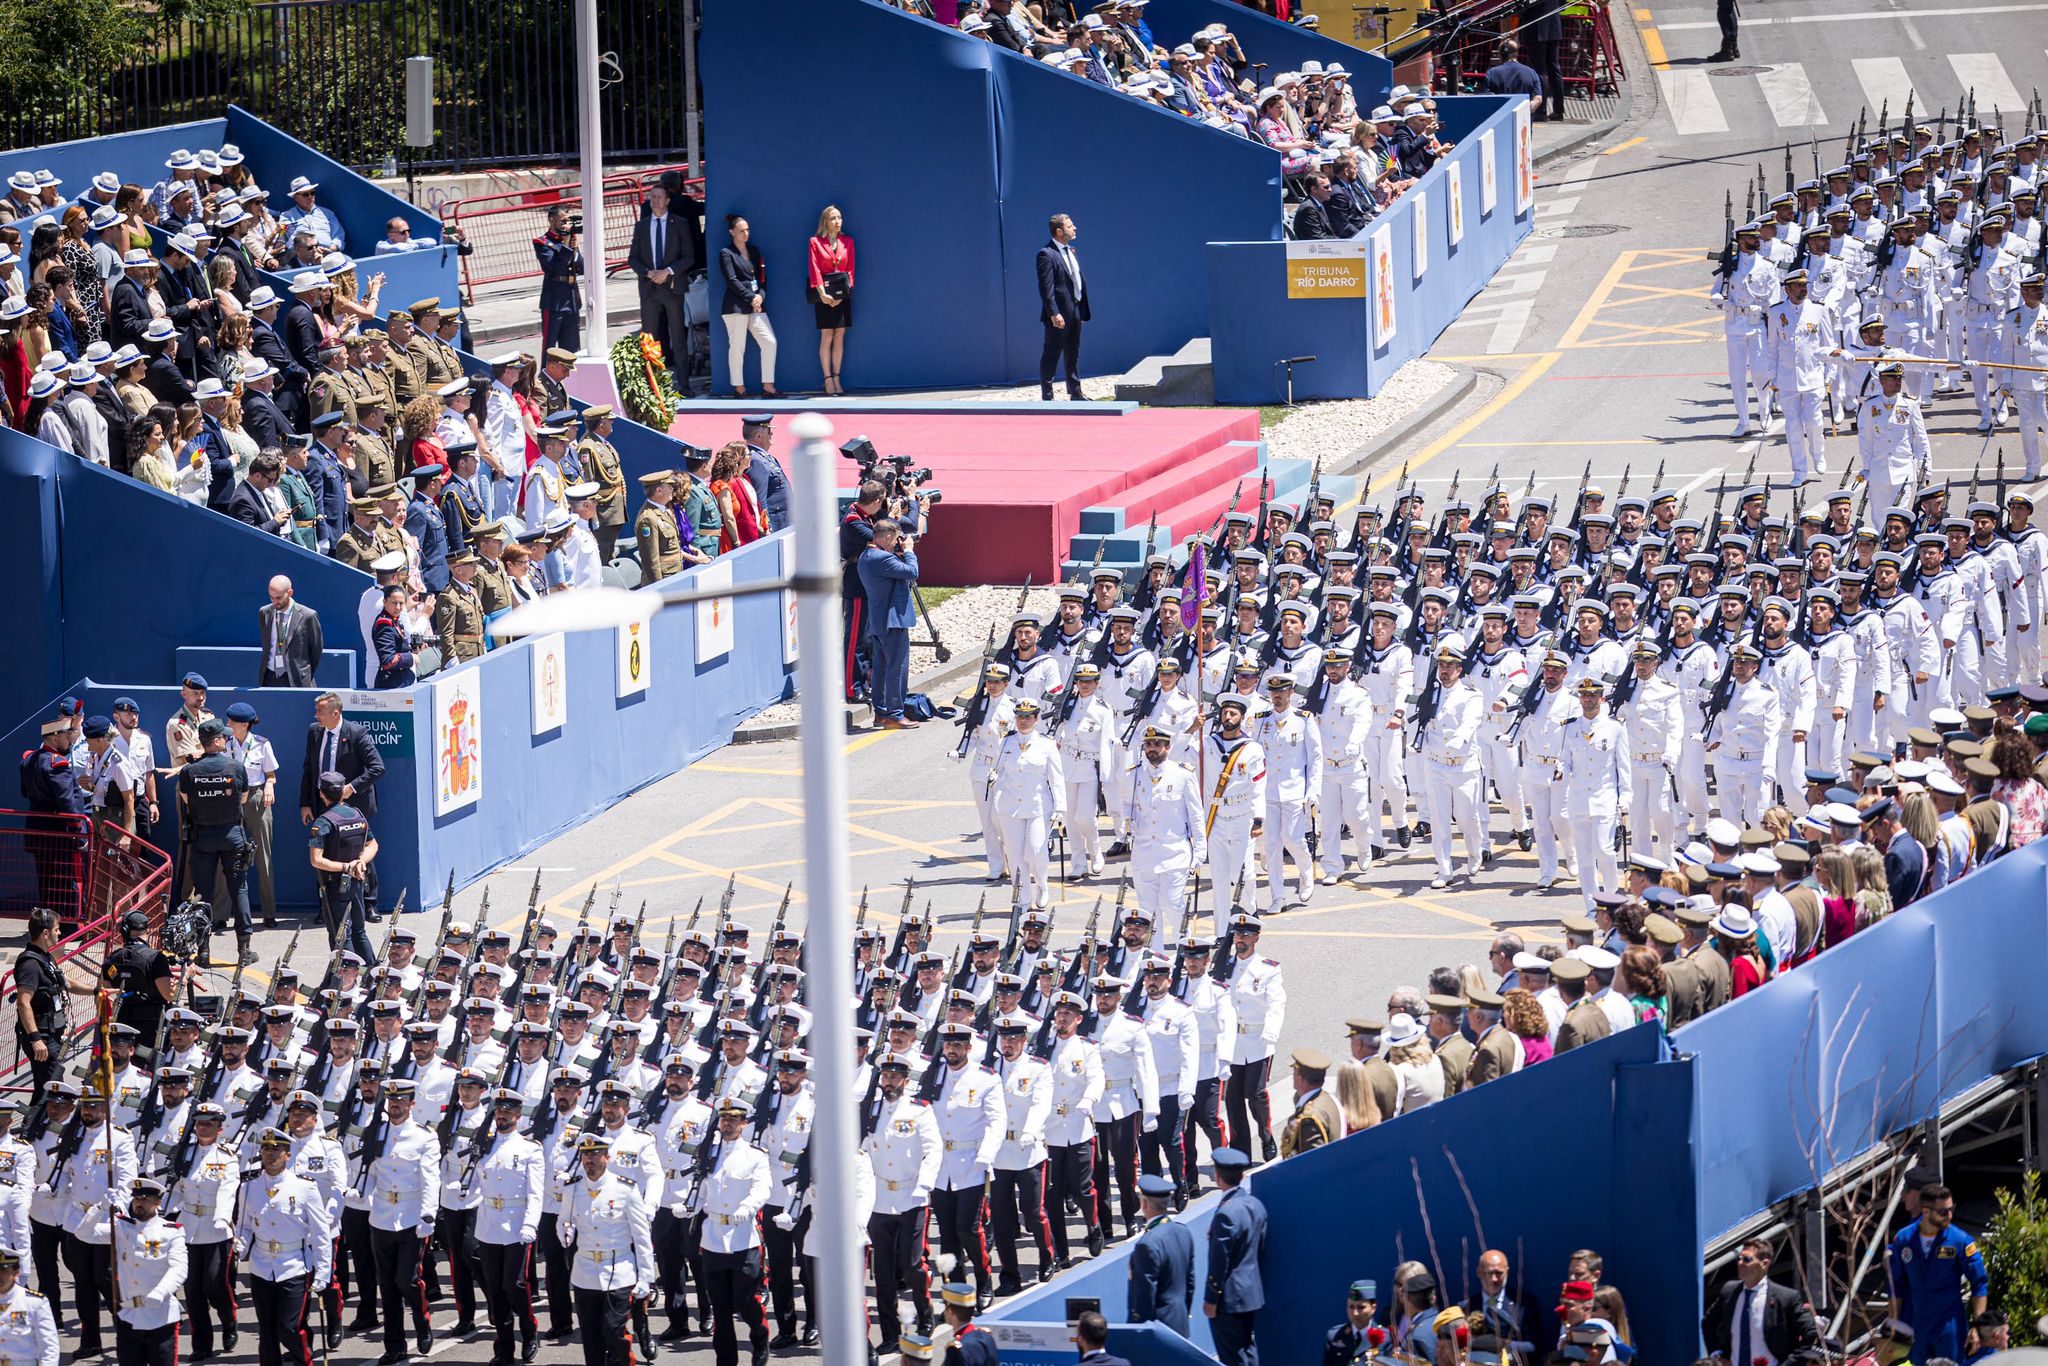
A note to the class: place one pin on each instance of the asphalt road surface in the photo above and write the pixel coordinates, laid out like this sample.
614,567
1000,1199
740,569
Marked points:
1603,346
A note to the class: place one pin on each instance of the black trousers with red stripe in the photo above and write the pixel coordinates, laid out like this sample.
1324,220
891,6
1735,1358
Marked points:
605,1318
733,1280
781,1245
508,1292
1069,1176
145,1346
209,1290
281,1320
897,1242
561,1302
1017,1204
1116,1155
1204,1116
1250,1111
958,1214
398,1283
359,1257
671,1263
1164,1142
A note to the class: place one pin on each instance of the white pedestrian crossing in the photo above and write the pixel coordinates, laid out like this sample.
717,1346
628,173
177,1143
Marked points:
1984,74
1790,96
1694,106
1886,84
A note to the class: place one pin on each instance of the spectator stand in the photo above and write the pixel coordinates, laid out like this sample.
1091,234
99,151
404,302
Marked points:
1364,307
1677,1143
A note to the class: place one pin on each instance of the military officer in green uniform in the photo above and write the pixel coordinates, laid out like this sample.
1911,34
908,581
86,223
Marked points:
373,441
403,370
556,365
362,542
1316,1119
298,496
661,545
493,584
377,366
601,466
355,376
459,612
329,392
429,357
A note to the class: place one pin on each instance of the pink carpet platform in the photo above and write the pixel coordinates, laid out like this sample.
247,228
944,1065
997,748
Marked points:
1017,480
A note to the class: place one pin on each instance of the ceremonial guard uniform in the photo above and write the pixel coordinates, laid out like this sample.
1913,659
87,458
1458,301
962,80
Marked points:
1343,716
1077,1084
28,1326
1654,720
402,1182
1386,671
967,1101
605,1224
735,1185
1017,1184
1236,796
1450,756
1028,791
900,1135
286,1232
1744,737
149,1270
509,1176
1168,843
1293,749
1088,751
1258,998
1595,774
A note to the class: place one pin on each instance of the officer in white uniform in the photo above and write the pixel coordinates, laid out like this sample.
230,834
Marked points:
1236,796
1837,676
1744,737
1386,669
1017,1186
403,1184
1166,820
1209,1002
2026,343
1129,1103
1292,745
83,1186
1088,748
1907,300
287,1234
509,1178
1743,296
1891,438
967,1102
17,1176
1655,721
1596,778
736,1185
983,744
900,1135
149,1270
1343,714
605,1225
28,1328
1801,333
1500,672
1542,740
1991,294
1176,1043
1028,787
1450,767
1788,668
1258,997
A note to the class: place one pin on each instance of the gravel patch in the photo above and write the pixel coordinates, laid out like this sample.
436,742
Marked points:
1335,430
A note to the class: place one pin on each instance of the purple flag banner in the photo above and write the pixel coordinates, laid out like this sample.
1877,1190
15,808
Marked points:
1196,595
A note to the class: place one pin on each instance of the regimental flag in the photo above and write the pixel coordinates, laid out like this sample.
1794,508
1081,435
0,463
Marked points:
102,1072
1196,596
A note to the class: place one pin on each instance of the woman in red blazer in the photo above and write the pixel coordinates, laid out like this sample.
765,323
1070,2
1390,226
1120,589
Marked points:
831,293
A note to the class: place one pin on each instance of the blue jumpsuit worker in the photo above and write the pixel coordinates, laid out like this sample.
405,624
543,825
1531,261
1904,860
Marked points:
49,785
210,789
1930,1261
342,850
560,253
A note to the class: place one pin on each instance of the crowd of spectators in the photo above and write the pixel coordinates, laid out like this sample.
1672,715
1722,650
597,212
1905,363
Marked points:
1349,162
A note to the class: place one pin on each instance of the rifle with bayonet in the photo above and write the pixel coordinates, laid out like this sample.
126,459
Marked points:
1579,501
977,706
1729,255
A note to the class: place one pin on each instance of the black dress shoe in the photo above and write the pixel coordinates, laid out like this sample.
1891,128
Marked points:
1379,851
1047,1272
229,1336
785,1338
811,1338
983,1298
391,1359
1272,1150
675,1332
464,1326
1095,1242
1525,840
1006,1288
333,1336
423,1339
1421,832
530,1350
1117,849
1402,835
362,1325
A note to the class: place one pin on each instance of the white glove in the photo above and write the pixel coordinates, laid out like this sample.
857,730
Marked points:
1187,1103
785,1222
1151,1123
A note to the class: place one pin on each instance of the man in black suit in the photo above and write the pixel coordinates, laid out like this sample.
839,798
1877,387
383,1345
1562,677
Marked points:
1311,217
262,419
1753,1313
336,744
299,328
1350,205
188,303
128,310
1511,1315
289,636
249,502
662,255
1091,1333
266,344
1062,307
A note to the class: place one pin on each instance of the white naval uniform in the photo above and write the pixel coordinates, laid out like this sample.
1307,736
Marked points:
1989,624
1891,445
1293,748
28,1328
1167,841
2026,343
285,1229
608,1225
1595,773
1500,682
1258,995
1088,750
1906,298
1991,293
1914,644
509,1183
1236,796
1125,679
1543,751
1655,722
1077,1083
1750,289
1343,727
2031,549
17,1175
1870,656
1744,739
999,718
1451,773
149,1270
1945,597
1801,335
1789,671
1389,680
906,1150
1028,788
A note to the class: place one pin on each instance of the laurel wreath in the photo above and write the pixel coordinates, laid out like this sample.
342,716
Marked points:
646,388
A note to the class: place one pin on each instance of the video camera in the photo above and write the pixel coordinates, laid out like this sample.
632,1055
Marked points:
900,481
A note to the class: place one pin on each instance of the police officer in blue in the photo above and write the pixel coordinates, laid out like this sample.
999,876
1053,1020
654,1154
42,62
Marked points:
49,785
560,253
210,792
764,471
1237,1236
424,520
342,851
1938,1279
1162,1263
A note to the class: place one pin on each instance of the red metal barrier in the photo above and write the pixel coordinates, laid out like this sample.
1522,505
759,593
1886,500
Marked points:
501,227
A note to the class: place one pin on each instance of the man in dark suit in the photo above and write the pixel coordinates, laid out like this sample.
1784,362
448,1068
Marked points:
1062,307
1547,33
248,501
1311,217
1511,1315
1350,206
189,304
662,256
262,419
1512,77
289,636
220,461
338,745
1753,1314
298,327
1237,1236
1091,1333
128,311
1162,1288
266,345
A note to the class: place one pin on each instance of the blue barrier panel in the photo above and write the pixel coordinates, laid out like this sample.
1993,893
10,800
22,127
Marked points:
1442,1184
1253,323
1282,46
175,575
136,157
983,141
1143,253
240,666
30,527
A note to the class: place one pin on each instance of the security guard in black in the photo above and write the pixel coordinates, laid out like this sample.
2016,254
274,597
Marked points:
341,842
211,788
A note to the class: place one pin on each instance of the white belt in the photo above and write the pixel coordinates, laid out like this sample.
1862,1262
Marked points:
199,1209
1649,758
1743,754
598,1254
1549,759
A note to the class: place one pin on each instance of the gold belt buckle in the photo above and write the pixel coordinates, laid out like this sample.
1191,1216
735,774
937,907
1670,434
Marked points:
391,1196
273,1247
891,1185
723,1218
595,1256
496,1202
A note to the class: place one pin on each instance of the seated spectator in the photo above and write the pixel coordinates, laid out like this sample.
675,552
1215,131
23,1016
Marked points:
1311,216
1273,130
306,209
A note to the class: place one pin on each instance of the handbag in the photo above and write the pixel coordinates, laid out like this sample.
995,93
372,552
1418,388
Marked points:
838,284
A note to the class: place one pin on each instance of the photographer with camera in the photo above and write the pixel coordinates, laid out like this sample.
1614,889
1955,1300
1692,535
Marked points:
888,576
560,253
210,792
886,490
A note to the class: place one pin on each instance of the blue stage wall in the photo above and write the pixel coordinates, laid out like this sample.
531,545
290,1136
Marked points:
136,157
986,145
1355,1208
1253,323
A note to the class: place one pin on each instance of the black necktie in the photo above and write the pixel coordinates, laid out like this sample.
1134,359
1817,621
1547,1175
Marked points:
1742,1352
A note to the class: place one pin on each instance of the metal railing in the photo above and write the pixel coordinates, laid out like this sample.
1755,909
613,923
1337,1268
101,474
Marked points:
330,73
501,228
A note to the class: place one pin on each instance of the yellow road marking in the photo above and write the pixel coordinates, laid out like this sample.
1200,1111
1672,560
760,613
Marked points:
1653,48
1512,390
856,746
1623,146
1625,286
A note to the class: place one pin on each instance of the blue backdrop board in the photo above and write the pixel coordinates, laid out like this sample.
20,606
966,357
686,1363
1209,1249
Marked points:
137,158
988,145
1254,323
1281,46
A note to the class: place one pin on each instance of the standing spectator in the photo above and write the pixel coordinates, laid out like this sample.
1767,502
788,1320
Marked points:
738,508
560,253
336,744
1547,34
2019,790
745,308
1905,861
81,248
831,279
1938,1280
1237,1239
140,753
88,427
1510,76
764,471
888,574
213,442
856,530
44,419
1753,1315
1063,305
259,769
662,255
250,502
1735,940
290,636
